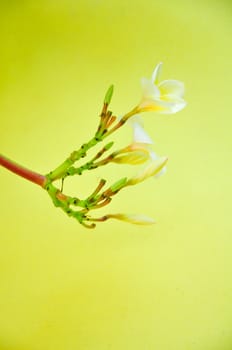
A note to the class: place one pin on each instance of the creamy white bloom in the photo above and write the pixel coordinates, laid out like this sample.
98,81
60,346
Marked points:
164,97
141,136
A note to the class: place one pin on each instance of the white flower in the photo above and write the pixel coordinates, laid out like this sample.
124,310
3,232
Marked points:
164,97
140,136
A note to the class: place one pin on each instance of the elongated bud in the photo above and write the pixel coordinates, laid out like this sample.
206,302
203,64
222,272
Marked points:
151,170
108,145
109,95
132,158
133,218
135,153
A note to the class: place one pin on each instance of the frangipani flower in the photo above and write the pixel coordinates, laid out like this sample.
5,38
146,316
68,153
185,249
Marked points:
164,97
140,136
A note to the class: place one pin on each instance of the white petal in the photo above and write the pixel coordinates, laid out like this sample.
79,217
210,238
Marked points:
156,73
162,172
153,155
155,102
179,106
169,106
139,134
155,167
150,90
175,104
172,87
152,169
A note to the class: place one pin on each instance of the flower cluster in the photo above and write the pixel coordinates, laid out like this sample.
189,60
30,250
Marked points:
163,97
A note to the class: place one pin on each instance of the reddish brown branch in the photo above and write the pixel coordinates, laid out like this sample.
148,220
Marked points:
22,171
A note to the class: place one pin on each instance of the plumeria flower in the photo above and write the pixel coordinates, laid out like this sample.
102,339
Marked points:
140,136
164,97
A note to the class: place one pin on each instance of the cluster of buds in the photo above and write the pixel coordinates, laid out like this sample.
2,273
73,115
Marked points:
163,97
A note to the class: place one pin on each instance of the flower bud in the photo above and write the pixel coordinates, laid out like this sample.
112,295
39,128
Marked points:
109,95
133,218
153,168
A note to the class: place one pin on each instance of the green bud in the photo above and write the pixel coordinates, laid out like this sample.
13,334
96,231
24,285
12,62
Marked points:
109,95
108,146
119,184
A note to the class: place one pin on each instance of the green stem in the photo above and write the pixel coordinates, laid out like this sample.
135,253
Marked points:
61,170
22,171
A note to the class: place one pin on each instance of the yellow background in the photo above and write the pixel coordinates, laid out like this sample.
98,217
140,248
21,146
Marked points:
165,287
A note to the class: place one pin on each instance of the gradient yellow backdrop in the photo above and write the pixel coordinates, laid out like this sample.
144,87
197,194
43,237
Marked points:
165,287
